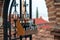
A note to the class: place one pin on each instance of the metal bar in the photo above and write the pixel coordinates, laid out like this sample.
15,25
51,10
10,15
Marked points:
30,37
15,30
20,8
30,8
15,4
5,13
21,37
12,4
25,5
10,20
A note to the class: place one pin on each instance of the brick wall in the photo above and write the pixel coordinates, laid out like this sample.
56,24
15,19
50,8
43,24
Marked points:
1,7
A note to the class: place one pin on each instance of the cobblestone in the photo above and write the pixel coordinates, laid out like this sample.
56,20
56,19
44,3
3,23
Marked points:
43,35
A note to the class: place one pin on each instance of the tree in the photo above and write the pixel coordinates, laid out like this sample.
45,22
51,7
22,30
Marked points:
37,12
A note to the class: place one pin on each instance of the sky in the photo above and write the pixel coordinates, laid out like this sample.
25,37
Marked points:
42,9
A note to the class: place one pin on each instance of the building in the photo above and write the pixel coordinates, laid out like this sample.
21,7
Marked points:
57,7
53,11
54,16
42,23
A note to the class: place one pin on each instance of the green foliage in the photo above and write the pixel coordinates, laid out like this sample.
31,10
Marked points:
37,12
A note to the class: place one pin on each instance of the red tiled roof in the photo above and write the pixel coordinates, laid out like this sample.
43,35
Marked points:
40,21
